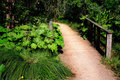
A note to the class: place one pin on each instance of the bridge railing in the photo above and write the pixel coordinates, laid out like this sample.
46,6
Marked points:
96,35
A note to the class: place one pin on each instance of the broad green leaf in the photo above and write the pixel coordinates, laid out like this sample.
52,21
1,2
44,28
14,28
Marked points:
26,43
41,44
2,29
24,27
33,46
53,47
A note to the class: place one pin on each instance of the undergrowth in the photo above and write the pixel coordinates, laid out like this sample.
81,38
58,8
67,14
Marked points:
74,25
31,66
114,62
30,37
30,52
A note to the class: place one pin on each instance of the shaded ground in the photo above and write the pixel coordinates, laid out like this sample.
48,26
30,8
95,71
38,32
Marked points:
82,58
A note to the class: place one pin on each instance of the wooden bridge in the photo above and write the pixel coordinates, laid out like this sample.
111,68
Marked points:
82,57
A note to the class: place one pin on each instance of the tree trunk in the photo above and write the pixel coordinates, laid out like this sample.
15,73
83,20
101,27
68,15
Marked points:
8,14
13,18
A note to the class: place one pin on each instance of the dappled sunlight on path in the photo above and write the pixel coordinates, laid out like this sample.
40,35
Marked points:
83,59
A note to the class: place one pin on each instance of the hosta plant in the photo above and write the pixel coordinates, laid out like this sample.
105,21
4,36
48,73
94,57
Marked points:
33,38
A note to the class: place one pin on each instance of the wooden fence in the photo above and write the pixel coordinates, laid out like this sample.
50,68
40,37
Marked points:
96,36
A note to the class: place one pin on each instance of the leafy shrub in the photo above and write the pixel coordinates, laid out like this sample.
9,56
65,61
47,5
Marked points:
38,20
33,38
73,25
2,30
32,66
26,51
83,29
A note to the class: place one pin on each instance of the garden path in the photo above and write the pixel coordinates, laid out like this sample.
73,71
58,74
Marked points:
82,58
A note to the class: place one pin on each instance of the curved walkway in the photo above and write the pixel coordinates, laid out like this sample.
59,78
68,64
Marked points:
83,59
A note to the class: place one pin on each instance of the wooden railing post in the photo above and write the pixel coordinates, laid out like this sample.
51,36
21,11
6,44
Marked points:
109,45
90,34
94,27
51,25
98,38
89,30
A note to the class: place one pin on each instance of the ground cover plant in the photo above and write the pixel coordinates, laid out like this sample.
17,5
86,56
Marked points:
32,66
30,52
30,37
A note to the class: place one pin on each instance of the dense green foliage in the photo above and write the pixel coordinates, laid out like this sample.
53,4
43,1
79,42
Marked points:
30,52
30,37
31,34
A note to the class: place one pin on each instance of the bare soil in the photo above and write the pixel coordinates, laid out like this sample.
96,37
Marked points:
82,58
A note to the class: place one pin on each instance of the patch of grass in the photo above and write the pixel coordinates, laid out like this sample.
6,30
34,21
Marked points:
32,66
114,62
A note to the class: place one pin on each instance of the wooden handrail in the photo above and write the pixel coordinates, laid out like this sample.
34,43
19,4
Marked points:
109,32
94,36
